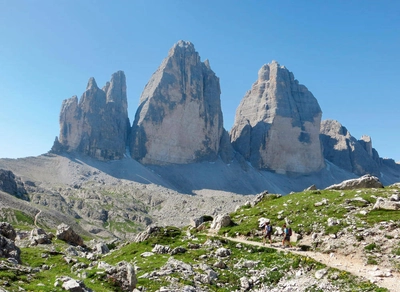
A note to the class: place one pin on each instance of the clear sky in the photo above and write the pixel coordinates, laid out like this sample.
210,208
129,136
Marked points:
347,53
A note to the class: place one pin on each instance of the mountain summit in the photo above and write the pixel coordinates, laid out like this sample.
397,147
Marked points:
179,125
179,119
98,125
277,124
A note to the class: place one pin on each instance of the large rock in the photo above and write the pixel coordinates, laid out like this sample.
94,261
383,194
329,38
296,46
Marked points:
8,249
123,276
39,236
7,230
221,220
98,124
366,181
342,149
12,185
179,119
67,234
386,204
277,124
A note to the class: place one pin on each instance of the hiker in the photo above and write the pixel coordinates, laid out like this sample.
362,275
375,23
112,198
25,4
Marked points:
268,232
287,232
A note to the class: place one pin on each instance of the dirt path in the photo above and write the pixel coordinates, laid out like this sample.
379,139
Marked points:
352,264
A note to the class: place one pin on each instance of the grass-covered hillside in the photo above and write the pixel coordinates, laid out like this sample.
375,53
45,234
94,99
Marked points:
190,259
309,211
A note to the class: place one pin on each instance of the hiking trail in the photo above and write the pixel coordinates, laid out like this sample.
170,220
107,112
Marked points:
351,263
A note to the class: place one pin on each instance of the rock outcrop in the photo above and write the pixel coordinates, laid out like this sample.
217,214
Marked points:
179,119
342,149
366,181
8,249
67,234
98,124
12,185
277,124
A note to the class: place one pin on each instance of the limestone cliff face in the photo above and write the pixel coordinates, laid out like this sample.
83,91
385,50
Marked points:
98,124
347,152
179,119
277,124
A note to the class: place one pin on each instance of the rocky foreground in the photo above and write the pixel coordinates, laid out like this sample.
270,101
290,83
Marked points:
334,230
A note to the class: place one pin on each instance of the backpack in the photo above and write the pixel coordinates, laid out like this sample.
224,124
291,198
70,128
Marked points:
268,229
289,231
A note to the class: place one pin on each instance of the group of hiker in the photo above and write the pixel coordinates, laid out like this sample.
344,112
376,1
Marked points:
268,230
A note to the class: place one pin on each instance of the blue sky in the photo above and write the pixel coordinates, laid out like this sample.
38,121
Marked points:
347,53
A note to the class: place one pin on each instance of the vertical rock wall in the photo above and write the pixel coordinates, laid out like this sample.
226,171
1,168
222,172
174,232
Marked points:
179,119
277,124
98,124
342,149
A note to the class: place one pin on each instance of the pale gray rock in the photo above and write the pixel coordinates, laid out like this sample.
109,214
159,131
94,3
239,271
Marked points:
70,284
142,236
333,221
123,275
321,203
366,181
98,124
345,151
320,273
260,197
244,283
147,254
161,249
39,236
386,205
67,234
223,252
179,119
102,248
277,124
250,263
311,188
176,265
220,221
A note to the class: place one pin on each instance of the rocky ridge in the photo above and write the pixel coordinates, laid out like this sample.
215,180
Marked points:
97,125
179,122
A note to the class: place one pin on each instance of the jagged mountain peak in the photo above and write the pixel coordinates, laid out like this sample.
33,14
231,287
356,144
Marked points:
91,84
277,124
97,125
179,119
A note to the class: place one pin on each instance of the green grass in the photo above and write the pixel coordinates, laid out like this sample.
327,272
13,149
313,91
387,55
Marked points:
299,208
305,217
371,247
376,216
18,219
126,226
276,264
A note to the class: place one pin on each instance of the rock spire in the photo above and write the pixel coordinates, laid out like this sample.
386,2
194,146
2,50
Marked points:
98,124
277,124
179,119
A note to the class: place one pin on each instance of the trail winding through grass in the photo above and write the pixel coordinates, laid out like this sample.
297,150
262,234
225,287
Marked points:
352,264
